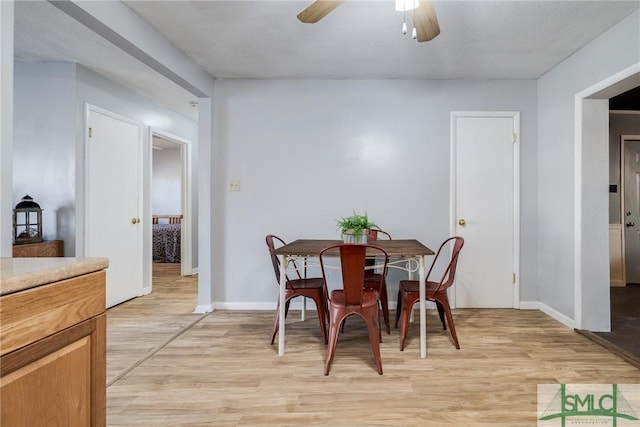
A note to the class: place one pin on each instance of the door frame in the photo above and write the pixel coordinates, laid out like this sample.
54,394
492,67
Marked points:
515,115
146,253
186,246
623,139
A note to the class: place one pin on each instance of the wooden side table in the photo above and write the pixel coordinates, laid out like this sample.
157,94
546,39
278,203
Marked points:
48,248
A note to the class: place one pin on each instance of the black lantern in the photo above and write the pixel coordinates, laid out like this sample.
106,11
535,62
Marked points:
27,222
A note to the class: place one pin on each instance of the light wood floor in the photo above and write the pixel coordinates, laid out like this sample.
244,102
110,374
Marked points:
221,370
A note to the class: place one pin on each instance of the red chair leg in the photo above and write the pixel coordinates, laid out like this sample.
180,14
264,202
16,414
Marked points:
405,316
372,320
275,323
322,316
334,330
385,307
447,311
398,305
441,314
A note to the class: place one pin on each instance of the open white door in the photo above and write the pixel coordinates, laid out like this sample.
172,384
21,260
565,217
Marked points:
484,207
631,207
113,190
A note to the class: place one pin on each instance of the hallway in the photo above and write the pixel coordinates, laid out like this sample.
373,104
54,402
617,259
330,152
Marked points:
625,322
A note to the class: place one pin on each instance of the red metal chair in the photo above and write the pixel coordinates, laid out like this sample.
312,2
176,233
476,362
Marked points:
299,287
372,280
353,298
408,293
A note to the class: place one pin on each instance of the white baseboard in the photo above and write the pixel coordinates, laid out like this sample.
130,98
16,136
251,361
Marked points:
536,305
296,304
203,309
257,306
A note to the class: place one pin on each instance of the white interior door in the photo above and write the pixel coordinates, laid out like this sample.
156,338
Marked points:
113,190
483,208
631,214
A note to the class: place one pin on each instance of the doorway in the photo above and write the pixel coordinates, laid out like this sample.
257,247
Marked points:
630,206
591,246
484,209
171,189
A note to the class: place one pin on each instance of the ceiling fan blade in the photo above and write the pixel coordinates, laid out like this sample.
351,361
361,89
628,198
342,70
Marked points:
425,21
318,10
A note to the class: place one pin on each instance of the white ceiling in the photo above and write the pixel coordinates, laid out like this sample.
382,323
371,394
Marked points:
359,40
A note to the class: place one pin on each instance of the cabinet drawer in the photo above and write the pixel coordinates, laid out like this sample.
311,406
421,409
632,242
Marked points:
51,248
28,316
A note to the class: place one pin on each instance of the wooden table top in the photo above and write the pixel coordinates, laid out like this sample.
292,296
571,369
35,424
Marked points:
394,248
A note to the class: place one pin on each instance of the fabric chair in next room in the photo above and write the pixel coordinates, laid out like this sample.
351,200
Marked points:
353,298
298,287
408,293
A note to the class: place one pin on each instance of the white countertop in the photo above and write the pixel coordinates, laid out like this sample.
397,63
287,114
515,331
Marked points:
17,274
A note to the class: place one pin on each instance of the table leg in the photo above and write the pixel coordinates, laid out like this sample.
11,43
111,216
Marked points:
410,270
283,284
303,312
423,308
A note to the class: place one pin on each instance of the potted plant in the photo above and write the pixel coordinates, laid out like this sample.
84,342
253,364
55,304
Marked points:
355,228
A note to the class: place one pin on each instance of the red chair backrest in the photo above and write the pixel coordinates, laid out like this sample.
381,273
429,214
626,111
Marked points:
271,239
352,263
449,274
375,234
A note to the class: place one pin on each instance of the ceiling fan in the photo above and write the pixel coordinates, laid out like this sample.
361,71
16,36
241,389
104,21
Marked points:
424,16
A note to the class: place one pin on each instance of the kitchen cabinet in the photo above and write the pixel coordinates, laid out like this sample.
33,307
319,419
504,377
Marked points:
53,342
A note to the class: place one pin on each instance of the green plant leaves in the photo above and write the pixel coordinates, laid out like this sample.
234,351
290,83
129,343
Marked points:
354,224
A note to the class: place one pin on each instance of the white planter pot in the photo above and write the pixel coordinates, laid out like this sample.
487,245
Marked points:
349,236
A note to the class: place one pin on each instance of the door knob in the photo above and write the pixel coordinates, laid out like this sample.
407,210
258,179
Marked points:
461,222
630,224
135,220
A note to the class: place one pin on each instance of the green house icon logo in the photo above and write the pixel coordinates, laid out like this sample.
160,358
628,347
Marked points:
608,406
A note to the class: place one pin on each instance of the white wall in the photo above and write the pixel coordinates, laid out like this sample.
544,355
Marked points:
166,178
44,145
607,55
307,152
6,127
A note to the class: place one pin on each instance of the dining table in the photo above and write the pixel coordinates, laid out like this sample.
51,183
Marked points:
405,254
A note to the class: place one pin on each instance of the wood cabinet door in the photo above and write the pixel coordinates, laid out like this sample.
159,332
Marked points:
57,381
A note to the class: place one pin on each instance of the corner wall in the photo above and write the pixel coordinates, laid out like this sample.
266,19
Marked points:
560,268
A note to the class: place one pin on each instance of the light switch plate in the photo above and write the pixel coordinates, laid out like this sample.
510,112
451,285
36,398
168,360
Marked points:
234,185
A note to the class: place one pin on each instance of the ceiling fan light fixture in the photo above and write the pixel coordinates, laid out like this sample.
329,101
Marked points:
404,5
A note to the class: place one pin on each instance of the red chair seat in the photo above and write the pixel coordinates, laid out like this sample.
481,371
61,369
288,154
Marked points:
413,286
313,283
369,297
